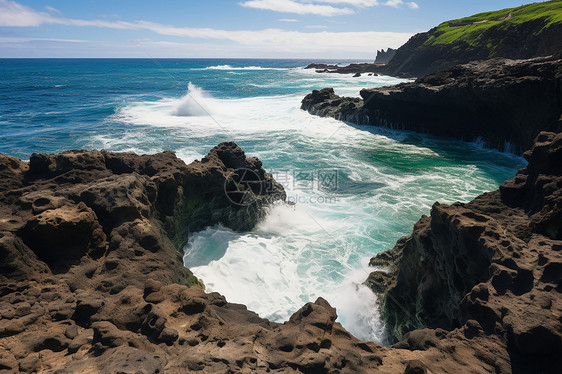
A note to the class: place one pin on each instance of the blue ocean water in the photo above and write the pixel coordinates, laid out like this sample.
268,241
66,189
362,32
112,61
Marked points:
357,189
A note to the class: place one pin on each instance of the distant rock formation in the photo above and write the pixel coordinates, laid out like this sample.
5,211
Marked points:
321,66
492,267
518,33
348,69
504,103
384,57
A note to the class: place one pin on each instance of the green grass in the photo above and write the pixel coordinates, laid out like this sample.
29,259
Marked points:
470,29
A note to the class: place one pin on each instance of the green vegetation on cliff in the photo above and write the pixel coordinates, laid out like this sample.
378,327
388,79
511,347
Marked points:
472,29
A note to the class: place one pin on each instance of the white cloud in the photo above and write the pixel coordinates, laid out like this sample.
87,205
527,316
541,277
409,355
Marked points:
356,3
316,27
393,3
14,14
287,20
270,42
9,39
52,10
291,6
277,4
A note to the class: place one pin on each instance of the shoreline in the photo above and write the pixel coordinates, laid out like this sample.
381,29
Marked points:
149,310
502,102
115,291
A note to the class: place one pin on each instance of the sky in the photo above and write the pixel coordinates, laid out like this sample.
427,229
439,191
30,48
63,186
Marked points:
332,29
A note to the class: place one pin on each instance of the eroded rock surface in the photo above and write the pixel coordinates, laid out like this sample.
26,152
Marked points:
92,280
487,270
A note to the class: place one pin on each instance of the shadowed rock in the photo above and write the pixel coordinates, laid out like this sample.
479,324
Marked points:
489,267
503,103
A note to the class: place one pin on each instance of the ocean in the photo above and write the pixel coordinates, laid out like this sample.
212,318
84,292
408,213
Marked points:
357,189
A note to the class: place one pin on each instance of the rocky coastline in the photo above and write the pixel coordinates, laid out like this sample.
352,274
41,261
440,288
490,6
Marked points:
531,36
502,103
491,268
529,31
92,278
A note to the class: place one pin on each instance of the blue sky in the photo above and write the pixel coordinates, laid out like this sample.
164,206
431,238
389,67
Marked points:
220,28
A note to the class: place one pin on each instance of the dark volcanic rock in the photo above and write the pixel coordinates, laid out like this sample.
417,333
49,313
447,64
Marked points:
91,277
348,69
504,103
384,57
91,273
321,66
325,103
489,267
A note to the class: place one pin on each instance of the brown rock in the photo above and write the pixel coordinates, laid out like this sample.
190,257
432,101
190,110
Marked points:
487,268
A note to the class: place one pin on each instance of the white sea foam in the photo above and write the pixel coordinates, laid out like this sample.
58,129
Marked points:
387,179
287,260
195,103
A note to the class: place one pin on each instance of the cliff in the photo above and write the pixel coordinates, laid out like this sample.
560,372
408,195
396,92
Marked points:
504,103
491,267
524,32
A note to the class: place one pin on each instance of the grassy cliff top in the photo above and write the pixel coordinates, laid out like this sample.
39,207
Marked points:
470,29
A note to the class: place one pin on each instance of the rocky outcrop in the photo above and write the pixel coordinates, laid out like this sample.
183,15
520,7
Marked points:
325,103
91,279
361,68
530,36
504,103
384,57
489,268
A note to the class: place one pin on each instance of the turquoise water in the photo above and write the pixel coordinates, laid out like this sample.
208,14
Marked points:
357,189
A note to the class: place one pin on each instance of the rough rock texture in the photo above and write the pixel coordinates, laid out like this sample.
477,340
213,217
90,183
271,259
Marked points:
91,279
505,103
514,41
490,268
325,103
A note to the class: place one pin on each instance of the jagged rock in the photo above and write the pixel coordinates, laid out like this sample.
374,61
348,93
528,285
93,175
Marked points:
61,237
384,57
504,103
489,267
133,307
325,103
